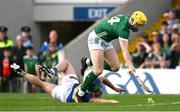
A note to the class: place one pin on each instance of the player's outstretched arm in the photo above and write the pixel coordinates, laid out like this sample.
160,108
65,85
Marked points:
109,84
124,47
102,100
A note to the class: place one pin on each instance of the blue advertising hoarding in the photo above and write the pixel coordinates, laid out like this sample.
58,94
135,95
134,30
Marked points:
91,13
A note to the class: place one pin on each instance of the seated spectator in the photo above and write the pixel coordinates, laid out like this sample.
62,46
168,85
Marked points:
163,64
156,55
166,44
145,38
174,54
27,39
53,37
155,37
4,40
175,36
30,65
177,25
171,18
177,11
164,28
147,63
142,50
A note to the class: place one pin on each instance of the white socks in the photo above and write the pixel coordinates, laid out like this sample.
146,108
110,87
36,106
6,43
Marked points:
81,93
88,62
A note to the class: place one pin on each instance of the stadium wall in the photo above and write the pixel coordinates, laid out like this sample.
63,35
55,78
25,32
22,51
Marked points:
61,12
77,48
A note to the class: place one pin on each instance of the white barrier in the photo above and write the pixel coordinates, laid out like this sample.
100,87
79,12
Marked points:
166,81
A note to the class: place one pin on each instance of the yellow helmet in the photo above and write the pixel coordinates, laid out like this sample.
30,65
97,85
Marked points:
139,17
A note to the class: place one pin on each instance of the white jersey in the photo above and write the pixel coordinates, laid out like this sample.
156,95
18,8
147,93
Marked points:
63,92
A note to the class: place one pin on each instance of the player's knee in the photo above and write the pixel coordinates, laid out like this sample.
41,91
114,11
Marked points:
65,61
115,68
98,70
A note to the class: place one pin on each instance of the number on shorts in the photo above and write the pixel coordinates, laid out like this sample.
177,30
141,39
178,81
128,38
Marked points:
113,20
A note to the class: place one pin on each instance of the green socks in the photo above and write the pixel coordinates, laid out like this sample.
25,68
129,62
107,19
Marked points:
107,66
90,77
88,81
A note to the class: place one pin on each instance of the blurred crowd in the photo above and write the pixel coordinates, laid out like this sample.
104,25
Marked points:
22,52
160,49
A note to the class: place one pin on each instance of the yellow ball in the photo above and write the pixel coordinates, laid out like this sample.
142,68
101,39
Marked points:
150,100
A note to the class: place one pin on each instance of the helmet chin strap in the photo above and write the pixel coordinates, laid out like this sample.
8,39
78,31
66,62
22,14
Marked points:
133,27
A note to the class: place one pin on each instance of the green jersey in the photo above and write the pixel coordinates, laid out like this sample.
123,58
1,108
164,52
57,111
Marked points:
30,62
113,28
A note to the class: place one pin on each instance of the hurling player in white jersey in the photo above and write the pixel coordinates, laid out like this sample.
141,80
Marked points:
65,91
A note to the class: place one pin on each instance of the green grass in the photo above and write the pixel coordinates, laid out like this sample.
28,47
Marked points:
37,102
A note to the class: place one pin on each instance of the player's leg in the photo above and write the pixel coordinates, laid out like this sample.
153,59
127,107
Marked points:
97,57
47,87
112,59
85,62
64,67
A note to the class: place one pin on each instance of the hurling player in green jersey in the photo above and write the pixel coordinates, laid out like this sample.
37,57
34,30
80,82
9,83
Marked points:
100,46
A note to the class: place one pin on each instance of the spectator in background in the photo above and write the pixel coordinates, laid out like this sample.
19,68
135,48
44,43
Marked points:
155,37
166,44
5,70
27,39
164,28
53,38
18,52
144,37
171,19
4,40
175,37
50,57
177,25
156,55
148,64
30,65
142,50
174,54
177,11
163,64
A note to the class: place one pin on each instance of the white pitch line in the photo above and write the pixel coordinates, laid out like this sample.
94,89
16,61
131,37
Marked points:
153,104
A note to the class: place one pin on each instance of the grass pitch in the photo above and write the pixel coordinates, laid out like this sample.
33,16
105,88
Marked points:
42,102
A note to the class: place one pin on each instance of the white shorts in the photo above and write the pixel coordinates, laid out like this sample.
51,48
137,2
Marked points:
95,42
61,92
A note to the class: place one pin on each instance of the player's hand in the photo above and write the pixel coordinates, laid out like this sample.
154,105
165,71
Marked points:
113,101
131,69
120,90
